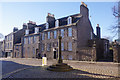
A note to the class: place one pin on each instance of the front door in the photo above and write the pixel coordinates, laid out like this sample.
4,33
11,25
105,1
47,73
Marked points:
54,53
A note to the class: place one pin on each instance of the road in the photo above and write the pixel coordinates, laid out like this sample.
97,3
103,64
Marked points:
8,67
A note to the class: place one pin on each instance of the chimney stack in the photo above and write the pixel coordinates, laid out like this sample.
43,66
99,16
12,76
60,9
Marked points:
84,11
98,31
15,29
24,26
50,19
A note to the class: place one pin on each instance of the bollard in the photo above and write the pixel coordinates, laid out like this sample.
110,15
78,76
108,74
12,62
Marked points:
44,61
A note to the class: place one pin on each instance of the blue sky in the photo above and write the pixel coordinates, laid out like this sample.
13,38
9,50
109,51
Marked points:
14,14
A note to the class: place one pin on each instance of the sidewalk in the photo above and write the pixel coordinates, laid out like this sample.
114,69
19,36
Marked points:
82,69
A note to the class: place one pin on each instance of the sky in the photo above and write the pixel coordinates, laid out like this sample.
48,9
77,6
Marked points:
14,14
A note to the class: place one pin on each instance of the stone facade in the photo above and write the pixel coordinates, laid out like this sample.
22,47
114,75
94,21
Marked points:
116,53
102,48
17,50
12,39
9,45
1,48
54,42
87,54
33,41
30,46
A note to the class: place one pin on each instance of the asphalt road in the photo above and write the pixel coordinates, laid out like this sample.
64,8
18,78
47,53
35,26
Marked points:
10,66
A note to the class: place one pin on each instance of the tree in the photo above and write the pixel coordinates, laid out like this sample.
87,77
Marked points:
116,13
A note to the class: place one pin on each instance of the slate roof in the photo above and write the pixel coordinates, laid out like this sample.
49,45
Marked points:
62,21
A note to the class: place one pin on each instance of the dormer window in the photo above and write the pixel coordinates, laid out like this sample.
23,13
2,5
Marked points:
26,31
56,23
47,25
69,20
36,30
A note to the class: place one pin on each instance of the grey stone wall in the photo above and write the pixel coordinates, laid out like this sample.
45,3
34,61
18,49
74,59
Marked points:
53,42
87,54
18,51
116,53
28,53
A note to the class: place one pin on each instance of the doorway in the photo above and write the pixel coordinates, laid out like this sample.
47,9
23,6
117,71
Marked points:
54,53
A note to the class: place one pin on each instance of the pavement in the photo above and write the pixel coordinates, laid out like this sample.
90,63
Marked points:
82,69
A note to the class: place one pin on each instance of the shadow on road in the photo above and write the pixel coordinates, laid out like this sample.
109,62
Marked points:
10,66
39,72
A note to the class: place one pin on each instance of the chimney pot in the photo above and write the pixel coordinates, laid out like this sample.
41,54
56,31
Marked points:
97,25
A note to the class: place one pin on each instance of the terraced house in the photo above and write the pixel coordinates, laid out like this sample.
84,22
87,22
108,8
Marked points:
78,38
75,30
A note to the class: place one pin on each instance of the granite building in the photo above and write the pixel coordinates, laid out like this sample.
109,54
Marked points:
78,38
75,30
12,39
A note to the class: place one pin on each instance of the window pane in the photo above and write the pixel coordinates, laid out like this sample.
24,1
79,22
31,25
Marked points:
70,46
48,47
56,23
43,36
35,39
69,21
62,33
47,25
62,46
28,40
48,35
55,34
69,31
42,47
33,51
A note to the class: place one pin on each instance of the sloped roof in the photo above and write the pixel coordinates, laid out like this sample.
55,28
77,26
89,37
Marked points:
63,21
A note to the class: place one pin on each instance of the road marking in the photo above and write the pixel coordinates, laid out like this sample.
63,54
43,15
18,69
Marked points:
8,74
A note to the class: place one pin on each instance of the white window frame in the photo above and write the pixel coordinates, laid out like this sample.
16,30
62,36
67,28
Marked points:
69,20
47,25
55,34
26,31
43,36
56,23
36,30
70,46
70,32
62,33
33,51
48,35
48,47
42,47
29,40
34,39
62,46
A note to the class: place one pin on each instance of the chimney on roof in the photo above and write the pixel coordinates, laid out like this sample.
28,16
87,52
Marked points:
98,31
50,19
51,15
84,11
15,29
24,26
